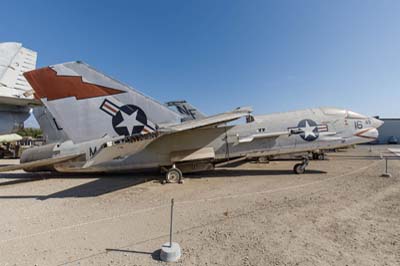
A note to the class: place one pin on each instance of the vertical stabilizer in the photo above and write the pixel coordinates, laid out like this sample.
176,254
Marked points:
90,105
186,110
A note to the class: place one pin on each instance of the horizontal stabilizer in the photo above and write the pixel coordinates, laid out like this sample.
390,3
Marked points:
208,121
39,163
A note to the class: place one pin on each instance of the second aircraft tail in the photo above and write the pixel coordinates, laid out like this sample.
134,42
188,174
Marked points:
188,111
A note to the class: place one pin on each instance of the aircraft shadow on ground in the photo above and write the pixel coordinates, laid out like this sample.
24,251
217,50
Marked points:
250,172
100,186
97,187
104,184
18,178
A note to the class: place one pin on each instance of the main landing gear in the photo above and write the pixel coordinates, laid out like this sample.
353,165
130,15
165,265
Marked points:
300,168
173,175
318,156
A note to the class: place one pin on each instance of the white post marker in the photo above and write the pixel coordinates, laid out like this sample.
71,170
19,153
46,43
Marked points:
386,173
170,251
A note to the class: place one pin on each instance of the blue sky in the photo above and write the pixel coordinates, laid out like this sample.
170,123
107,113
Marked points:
272,55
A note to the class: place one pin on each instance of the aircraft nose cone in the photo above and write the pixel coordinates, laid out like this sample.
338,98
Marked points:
370,133
376,123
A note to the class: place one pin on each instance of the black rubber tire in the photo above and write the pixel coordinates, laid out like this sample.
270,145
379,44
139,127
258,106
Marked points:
321,156
299,169
174,175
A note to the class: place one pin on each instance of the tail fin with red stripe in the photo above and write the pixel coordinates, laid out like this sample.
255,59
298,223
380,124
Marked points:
90,105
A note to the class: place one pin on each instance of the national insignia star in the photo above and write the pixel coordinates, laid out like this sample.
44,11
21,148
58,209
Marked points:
129,121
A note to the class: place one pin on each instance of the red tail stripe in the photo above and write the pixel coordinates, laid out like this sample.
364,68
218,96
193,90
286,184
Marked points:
47,84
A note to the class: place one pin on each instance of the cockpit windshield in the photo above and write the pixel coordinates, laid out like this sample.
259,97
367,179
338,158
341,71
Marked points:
333,111
337,112
354,115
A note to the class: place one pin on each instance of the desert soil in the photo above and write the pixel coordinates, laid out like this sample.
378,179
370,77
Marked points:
341,212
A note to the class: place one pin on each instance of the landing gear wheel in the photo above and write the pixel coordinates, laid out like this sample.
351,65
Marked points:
299,168
174,175
321,156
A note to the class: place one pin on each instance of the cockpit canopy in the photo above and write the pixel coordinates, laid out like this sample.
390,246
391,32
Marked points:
342,112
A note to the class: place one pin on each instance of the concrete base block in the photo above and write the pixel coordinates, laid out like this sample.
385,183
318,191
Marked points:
170,253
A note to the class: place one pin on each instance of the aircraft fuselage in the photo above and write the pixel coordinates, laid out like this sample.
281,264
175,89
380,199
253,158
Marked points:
310,129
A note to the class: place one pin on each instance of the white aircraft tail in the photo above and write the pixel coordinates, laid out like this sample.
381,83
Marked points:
14,61
90,105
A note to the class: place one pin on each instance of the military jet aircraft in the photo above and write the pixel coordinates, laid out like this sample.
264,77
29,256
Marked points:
112,127
16,95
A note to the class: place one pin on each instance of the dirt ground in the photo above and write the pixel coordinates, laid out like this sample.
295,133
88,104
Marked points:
341,212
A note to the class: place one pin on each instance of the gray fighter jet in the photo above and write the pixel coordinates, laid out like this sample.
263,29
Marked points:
16,95
111,127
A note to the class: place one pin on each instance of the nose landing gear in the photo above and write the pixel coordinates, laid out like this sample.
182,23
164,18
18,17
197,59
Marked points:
300,168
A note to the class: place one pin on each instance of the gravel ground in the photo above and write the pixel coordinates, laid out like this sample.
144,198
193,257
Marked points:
341,212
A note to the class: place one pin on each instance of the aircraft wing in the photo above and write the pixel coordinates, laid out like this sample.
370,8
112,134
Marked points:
39,163
207,121
134,144
115,151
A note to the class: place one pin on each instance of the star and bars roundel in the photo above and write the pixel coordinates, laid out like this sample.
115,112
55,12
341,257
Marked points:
309,130
128,119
